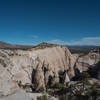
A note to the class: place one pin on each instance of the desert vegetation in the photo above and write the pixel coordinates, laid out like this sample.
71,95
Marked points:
80,89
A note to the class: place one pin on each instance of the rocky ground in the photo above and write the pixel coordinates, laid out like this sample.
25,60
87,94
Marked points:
45,68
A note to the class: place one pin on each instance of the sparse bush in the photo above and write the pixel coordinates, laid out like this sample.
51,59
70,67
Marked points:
44,97
58,86
24,86
95,91
42,89
84,76
63,97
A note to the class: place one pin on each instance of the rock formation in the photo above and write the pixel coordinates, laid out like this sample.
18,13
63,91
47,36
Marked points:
38,66
84,62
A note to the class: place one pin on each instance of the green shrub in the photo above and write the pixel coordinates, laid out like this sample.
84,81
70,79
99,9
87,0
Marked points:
44,97
63,97
95,91
84,76
58,86
24,86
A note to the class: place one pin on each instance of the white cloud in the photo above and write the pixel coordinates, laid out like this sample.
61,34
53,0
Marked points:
58,42
83,41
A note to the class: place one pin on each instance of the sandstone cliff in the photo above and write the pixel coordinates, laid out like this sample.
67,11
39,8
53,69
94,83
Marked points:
37,66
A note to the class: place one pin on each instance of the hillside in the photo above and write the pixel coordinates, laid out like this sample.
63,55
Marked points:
4,45
82,49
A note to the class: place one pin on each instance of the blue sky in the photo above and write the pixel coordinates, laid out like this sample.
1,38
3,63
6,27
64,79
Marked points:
71,22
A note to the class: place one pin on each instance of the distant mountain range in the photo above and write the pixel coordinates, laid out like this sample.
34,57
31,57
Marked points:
73,49
82,49
4,45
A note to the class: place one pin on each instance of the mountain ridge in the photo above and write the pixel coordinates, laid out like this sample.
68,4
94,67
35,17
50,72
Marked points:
4,45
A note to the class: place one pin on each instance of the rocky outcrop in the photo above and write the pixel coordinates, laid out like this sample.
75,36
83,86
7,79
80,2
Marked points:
22,96
36,66
27,96
84,62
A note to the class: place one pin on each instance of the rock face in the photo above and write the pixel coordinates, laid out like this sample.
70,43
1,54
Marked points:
85,61
22,96
39,66
26,96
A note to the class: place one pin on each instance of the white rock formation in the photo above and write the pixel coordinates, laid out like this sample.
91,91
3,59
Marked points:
34,66
85,61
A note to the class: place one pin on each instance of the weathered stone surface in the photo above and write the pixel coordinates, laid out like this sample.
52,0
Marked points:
85,61
34,66
22,96
26,96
